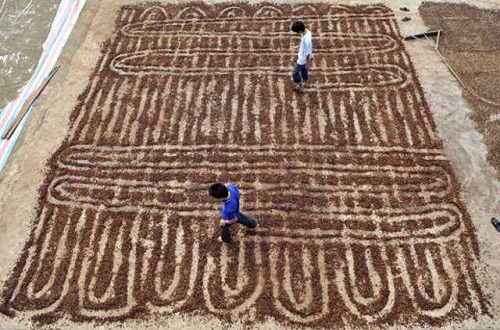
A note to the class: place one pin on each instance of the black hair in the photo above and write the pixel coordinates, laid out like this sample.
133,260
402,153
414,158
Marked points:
218,190
298,26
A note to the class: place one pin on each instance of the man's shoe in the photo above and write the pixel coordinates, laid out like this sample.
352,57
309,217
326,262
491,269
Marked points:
496,223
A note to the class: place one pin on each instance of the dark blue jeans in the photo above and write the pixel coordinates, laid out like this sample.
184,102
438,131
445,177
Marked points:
300,73
225,232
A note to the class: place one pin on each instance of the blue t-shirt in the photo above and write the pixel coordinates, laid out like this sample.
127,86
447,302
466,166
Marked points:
231,207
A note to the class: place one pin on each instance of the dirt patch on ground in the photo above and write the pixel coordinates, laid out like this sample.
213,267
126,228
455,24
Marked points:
470,44
357,200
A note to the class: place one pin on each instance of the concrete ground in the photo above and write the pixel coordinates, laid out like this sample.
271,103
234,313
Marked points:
20,181
24,26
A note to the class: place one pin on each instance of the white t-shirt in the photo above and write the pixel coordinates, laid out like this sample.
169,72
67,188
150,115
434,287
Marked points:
306,47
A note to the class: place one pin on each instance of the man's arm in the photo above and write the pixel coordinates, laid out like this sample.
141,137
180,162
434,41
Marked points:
227,222
308,60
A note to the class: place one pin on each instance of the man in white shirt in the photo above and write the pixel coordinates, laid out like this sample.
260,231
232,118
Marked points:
304,57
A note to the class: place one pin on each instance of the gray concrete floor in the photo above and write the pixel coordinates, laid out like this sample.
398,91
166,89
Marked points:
24,26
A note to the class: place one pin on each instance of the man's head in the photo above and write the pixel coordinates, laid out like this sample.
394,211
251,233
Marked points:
218,190
298,27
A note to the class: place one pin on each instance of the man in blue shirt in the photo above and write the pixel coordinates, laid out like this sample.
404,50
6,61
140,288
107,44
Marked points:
230,213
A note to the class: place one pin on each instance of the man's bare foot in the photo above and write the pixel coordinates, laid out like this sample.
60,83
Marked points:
219,239
296,87
251,229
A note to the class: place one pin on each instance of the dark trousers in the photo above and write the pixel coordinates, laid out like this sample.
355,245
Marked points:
300,73
225,232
